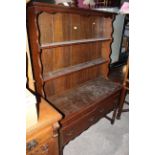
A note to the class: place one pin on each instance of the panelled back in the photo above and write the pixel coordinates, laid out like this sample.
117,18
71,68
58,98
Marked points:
71,49
58,27
63,83
60,57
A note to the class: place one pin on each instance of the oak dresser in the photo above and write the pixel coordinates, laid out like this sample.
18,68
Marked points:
70,51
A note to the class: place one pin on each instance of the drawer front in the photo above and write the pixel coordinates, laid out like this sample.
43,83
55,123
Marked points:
38,140
48,148
76,127
79,125
105,107
108,105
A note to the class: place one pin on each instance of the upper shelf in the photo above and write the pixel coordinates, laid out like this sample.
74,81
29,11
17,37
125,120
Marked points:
65,43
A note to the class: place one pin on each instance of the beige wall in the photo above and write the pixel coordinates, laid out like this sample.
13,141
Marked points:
30,79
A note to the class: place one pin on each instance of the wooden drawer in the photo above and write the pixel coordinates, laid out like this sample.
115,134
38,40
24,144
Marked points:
77,126
41,143
106,107
109,104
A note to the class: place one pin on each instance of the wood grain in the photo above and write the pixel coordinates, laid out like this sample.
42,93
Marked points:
73,42
72,69
84,95
71,56
42,134
69,81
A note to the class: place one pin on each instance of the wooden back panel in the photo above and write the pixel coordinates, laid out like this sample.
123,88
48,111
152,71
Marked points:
62,67
60,57
60,27
60,84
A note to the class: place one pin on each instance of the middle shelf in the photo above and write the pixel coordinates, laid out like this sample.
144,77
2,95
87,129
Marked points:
65,43
67,70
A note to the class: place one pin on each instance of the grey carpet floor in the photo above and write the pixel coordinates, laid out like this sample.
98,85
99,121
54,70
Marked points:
102,138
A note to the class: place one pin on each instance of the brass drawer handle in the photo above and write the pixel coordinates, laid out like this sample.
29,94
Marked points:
32,144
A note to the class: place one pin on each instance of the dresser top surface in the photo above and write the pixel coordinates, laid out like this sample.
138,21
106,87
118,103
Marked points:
85,95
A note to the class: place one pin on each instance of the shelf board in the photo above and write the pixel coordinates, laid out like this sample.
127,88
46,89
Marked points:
65,43
71,69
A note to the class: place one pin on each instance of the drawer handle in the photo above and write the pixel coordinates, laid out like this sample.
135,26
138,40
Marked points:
32,144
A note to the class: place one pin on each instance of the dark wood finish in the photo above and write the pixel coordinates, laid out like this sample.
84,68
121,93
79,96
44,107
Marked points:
69,56
71,48
117,74
65,43
77,122
124,92
75,68
84,96
42,138
34,45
